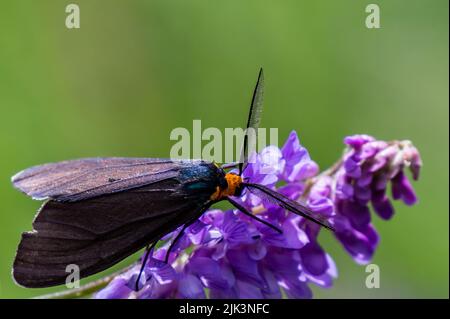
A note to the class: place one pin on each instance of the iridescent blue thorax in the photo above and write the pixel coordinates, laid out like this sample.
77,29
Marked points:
202,178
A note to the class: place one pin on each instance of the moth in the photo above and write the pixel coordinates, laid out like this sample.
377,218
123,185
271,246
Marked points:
98,211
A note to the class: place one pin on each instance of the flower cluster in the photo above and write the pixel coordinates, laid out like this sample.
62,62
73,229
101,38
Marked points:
227,254
367,168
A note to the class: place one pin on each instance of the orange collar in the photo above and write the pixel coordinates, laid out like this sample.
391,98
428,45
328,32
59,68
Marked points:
233,181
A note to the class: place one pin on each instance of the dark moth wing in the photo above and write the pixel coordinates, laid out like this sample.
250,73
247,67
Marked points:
287,203
89,177
97,225
96,233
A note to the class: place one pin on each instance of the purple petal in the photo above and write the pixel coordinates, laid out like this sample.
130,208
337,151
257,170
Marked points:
416,163
283,262
356,141
371,148
325,280
155,290
246,290
271,161
211,273
197,233
234,231
244,267
344,190
322,188
352,168
293,190
162,272
359,215
363,194
382,205
116,289
299,165
294,236
380,182
383,157
257,251
229,293
190,287
402,189
323,206
213,217
365,179
270,290
314,259
361,246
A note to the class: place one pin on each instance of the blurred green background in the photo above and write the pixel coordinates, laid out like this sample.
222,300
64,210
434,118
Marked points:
137,69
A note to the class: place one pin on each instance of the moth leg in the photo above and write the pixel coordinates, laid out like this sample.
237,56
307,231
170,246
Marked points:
181,232
246,212
177,238
148,250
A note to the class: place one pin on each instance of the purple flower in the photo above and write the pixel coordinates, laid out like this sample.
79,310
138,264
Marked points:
362,180
117,289
299,165
227,254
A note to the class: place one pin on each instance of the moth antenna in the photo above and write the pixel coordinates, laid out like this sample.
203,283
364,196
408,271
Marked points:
288,204
246,212
254,118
